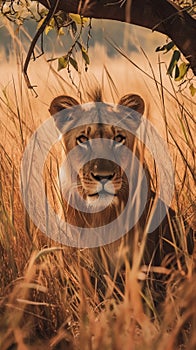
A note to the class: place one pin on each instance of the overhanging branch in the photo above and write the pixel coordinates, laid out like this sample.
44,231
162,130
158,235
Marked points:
158,15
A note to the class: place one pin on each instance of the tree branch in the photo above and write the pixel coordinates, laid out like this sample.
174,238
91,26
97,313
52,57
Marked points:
50,14
158,15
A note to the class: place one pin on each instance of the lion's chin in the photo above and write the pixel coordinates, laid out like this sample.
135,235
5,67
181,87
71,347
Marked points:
101,200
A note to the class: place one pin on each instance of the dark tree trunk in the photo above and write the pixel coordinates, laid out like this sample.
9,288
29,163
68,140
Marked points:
158,15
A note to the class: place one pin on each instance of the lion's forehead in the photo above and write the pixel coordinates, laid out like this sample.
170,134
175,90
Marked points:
100,130
97,131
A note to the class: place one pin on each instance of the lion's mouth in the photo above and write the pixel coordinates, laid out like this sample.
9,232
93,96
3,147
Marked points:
102,193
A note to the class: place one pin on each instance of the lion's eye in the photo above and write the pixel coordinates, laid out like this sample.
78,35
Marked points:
82,139
119,138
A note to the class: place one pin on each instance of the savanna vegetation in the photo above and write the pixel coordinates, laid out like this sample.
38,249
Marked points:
175,19
47,298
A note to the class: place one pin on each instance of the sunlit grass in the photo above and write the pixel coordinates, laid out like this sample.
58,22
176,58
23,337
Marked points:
48,300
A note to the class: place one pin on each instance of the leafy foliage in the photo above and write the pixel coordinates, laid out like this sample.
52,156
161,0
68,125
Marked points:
167,47
19,11
174,63
75,25
60,22
177,66
188,5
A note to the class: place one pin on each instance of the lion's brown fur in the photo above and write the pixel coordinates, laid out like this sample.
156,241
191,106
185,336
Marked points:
156,246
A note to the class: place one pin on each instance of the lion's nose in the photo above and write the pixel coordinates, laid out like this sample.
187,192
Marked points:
103,178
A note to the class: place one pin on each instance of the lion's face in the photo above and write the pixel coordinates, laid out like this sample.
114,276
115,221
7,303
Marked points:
100,180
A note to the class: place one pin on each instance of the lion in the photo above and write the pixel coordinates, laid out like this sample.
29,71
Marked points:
102,186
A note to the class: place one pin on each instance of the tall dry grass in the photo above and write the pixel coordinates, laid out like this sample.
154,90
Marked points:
47,298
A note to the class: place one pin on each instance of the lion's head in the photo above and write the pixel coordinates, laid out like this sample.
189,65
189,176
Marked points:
102,149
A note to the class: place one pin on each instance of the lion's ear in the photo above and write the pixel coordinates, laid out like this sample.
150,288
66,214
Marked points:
134,102
57,105
61,102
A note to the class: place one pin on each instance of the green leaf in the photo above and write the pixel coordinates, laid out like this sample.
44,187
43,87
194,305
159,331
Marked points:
166,47
192,89
62,62
50,26
183,68
85,55
73,62
177,72
78,19
173,62
61,31
48,29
